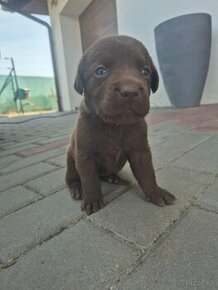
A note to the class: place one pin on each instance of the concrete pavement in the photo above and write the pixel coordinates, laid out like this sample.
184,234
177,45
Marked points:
46,242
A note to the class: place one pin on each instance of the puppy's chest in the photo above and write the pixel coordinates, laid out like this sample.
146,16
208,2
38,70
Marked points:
110,147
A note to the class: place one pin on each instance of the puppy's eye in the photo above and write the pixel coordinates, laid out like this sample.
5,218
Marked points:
101,72
145,71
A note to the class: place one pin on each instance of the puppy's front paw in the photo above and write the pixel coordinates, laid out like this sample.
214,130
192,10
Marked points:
91,206
161,197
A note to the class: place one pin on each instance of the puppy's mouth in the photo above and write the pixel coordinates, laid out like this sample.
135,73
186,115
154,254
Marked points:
127,116
126,104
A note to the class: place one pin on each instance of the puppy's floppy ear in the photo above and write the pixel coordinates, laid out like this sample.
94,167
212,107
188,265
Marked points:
79,81
154,80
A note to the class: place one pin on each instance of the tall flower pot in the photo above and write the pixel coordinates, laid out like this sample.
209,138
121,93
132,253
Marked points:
183,47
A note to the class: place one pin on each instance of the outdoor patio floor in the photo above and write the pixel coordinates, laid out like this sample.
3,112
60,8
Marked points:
46,242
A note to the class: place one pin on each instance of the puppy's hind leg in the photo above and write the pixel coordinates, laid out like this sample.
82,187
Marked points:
72,179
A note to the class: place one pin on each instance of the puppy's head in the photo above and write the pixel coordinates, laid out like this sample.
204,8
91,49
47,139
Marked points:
116,75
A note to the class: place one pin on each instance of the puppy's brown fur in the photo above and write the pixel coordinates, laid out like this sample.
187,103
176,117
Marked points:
116,75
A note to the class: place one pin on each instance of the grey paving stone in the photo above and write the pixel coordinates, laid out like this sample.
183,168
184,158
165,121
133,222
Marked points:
55,181
188,259
81,257
15,198
209,204
21,176
168,151
212,190
8,160
112,191
54,138
204,157
209,200
59,160
24,228
126,174
24,162
16,149
164,131
142,222
28,139
48,183
6,144
19,142
63,149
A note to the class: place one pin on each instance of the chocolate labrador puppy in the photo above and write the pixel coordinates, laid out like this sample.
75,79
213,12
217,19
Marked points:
116,76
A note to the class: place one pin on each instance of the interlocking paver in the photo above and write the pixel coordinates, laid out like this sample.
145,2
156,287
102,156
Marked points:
142,222
46,242
54,138
42,148
59,160
24,162
164,131
18,148
8,160
21,176
15,198
83,257
172,149
48,183
209,200
204,157
25,228
187,259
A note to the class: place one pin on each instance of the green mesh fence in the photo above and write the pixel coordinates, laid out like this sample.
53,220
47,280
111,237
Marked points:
42,94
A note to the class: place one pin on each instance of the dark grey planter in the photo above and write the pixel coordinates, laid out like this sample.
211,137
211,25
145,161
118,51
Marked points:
183,47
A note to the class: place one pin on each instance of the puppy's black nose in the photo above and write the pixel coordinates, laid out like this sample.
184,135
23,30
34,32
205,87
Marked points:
129,91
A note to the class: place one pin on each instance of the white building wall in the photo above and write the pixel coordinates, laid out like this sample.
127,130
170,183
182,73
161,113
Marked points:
67,43
139,18
72,51
54,12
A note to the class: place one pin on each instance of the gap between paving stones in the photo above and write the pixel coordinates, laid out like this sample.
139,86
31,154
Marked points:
44,160
43,148
119,236
202,207
109,197
53,160
15,150
32,178
83,216
145,252
144,256
23,206
157,241
185,152
129,268
13,260
56,233
41,196
174,136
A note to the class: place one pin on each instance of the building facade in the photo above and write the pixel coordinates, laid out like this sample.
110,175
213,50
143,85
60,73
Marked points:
77,23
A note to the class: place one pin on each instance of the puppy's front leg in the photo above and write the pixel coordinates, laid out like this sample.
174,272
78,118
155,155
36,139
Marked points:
141,165
91,186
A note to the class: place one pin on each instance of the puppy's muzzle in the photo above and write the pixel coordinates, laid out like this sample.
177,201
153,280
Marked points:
129,88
